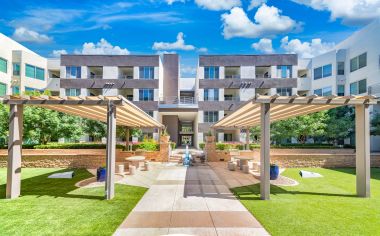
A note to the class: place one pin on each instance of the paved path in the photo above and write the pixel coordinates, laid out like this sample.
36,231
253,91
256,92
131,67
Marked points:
189,201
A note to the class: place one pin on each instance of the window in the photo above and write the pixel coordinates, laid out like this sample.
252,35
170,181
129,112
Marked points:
211,94
358,62
34,72
284,91
340,90
323,71
3,65
149,113
16,90
29,89
211,72
284,71
3,89
130,97
210,116
340,68
146,72
72,92
73,72
227,137
146,94
326,91
358,87
16,69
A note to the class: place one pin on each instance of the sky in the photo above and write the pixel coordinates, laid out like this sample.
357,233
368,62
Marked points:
187,27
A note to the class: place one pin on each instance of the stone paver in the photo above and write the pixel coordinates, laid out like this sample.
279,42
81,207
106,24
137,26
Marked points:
189,201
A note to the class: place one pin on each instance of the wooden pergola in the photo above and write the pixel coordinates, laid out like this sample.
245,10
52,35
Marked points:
114,110
262,110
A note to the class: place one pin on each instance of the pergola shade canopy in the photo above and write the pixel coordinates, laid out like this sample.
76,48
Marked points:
91,107
284,107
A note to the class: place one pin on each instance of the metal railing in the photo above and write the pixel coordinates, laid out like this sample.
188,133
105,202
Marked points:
178,100
95,76
123,76
232,76
233,98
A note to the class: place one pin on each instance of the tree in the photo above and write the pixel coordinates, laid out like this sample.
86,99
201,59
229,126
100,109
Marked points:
70,127
4,114
255,133
313,125
340,123
94,129
375,124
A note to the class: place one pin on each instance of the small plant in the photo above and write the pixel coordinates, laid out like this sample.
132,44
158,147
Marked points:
173,145
209,133
202,146
165,131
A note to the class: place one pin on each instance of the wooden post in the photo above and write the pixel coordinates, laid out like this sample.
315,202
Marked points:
363,169
265,152
14,151
111,146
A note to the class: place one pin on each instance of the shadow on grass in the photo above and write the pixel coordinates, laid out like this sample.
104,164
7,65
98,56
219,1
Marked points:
245,193
41,185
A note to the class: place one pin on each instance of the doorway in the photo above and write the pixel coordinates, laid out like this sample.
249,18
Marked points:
186,140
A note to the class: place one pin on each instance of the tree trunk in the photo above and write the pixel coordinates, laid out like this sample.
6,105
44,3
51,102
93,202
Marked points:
126,138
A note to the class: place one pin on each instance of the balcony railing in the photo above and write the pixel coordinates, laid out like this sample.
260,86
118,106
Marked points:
96,76
232,76
374,90
233,98
177,100
125,76
266,75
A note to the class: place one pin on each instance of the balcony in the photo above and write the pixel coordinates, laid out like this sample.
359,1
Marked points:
374,90
178,102
232,72
95,72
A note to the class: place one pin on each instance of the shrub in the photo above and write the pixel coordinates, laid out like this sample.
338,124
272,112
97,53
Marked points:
220,146
202,146
147,145
74,146
239,146
173,145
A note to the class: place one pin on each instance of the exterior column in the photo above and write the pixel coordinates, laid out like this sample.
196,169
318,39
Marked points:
127,138
247,139
14,151
264,152
111,146
363,169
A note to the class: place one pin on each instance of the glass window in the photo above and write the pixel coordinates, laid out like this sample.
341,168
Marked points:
340,68
227,137
327,70
149,113
354,88
327,91
3,89
318,73
284,91
211,94
358,87
16,69
363,60
72,92
3,65
211,72
340,90
284,71
146,94
318,92
146,72
40,73
16,90
210,116
358,62
73,72
30,71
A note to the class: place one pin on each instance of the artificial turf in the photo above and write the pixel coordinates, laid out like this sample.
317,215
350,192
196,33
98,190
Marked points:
57,207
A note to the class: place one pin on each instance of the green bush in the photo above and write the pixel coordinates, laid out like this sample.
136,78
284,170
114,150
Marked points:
74,146
239,146
220,146
173,145
147,145
300,146
202,146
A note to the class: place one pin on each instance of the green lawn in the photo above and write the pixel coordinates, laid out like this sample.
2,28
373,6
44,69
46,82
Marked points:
320,206
57,207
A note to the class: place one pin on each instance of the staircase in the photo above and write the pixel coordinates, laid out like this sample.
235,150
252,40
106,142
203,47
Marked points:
175,158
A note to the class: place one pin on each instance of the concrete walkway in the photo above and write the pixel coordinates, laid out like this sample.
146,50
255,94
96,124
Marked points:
189,201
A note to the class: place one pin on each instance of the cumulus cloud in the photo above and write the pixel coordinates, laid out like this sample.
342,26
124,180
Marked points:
101,47
352,12
58,53
22,34
264,45
177,45
202,50
170,2
218,5
187,71
306,49
268,22
255,3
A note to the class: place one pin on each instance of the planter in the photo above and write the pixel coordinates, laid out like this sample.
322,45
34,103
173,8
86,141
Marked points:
101,174
164,139
210,139
274,172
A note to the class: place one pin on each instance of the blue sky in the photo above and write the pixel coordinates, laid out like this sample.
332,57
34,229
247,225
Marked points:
187,27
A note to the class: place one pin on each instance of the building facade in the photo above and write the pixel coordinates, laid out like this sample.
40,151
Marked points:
189,106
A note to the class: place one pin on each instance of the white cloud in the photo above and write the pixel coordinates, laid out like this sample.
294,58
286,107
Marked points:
177,45
306,49
170,2
187,70
268,23
217,5
58,53
202,50
264,45
352,12
22,34
255,3
101,47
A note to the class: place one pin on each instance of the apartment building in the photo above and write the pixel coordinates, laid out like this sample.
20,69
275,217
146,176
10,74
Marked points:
227,81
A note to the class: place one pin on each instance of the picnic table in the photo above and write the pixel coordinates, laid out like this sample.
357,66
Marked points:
135,160
243,160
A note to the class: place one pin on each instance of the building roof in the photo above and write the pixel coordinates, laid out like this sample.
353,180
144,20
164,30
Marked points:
91,107
284,107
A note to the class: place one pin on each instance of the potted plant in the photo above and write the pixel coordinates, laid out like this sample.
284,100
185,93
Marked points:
101,174
274,171
165,137
209,137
